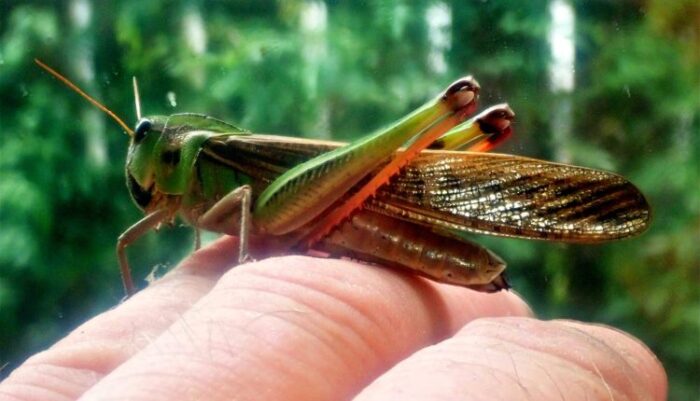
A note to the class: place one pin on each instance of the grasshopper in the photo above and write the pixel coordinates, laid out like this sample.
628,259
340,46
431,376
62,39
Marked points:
371,199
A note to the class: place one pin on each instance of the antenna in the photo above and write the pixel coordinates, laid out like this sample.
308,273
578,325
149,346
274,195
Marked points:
137,99
75,88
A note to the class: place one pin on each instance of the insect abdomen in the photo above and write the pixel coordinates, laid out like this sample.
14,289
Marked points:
377,238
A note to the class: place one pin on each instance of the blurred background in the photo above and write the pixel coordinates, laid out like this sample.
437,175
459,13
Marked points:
613,85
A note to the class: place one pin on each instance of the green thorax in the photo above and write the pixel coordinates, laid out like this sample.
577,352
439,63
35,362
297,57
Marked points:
163,158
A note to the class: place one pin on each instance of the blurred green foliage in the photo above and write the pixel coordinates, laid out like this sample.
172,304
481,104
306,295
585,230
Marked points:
271,67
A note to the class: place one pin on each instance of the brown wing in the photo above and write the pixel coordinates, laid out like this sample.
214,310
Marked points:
514,196
478,192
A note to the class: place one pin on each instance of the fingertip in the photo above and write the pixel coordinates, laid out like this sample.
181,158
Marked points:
522,358
615,356
636,354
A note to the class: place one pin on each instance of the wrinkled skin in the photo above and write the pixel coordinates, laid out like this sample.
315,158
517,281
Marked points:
300,328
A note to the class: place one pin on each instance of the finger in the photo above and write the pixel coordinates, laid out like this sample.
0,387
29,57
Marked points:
520,358
297,328
637,356
76,363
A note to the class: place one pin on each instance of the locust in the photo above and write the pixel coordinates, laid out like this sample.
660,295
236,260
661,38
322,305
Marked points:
402,197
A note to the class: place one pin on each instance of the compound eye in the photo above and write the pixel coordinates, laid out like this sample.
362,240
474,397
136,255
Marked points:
142,128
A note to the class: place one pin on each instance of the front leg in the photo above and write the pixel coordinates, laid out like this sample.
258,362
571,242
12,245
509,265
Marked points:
231,214
133,233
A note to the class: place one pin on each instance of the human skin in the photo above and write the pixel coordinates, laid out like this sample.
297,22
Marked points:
301,328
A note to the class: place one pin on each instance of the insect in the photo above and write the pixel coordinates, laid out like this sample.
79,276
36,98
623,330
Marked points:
371,199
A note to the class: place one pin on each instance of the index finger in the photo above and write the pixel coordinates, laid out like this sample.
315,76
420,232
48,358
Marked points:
394,314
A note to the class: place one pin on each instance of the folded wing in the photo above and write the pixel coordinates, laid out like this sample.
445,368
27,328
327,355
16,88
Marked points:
477,192
514,196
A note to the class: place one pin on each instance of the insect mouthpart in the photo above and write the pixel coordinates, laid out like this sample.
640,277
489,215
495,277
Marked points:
142,196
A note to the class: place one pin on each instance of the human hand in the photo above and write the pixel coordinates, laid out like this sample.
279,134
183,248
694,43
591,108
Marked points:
299,328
